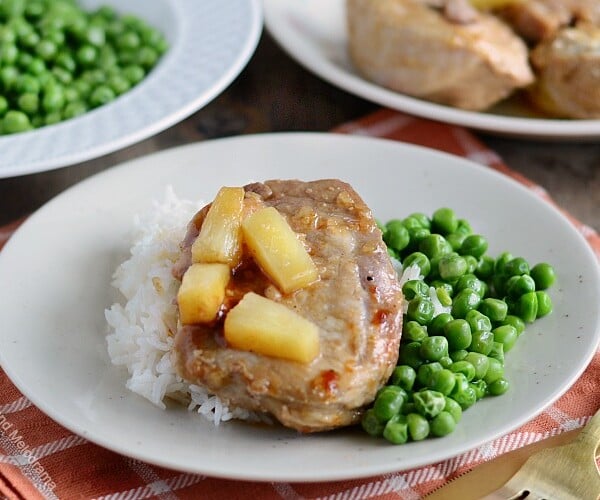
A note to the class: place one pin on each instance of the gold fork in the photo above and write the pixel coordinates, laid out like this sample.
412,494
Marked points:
565,472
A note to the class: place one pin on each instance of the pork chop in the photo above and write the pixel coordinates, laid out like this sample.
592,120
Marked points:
538,20
438,51
356,305
568,73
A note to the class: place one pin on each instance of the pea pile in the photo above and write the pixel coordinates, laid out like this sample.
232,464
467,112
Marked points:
465,313
57,61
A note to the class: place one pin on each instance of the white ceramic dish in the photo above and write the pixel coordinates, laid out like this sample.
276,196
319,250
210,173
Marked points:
56,270
210,43
314,33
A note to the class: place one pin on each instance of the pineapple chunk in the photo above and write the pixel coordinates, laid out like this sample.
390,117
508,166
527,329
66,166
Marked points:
267,327
492,4
277,250
220,239
202,292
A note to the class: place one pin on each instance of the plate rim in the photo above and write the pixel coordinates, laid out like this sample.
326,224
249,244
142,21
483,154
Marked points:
365,472
251,40
519,127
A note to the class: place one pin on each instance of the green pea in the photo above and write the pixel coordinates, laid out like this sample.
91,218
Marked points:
102,95
471,281
388,402
480,362
442,381
418,426
471,263
9,76
426,372
518,285
54,99
429,403
15,121
414,332
444,221
3,105
442,424
464,367
458,333
29,103
436,327
506,335
461,385
27,84
8,54
134,73
480,388
516,322
497,351
416,235
464,227
498,387
446,361
465,398
516,267
453,408
478,321
544,304
404,376
95,35
501,261
420,260
396,235
452,266
465,301
420,309
62,75
434,348
485,267
443,284
422,219
73,109
147,57
414,288
396,430
66,61
46,50
494,372
36,67
527,307
371,424
53,118
128,41
458,355
86,55
475,245
482,342
433,245
495,309
410,354
544,276
455,240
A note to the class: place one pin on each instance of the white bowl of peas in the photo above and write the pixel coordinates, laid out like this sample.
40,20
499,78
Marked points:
81,78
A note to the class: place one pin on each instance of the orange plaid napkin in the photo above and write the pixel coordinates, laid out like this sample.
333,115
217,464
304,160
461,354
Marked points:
40,459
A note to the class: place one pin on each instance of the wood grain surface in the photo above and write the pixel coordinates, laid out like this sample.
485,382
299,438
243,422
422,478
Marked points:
274,93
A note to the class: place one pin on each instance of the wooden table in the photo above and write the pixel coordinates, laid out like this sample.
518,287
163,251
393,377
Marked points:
274,93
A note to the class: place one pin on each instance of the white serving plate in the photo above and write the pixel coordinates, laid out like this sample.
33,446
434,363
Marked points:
314,33
55,276
210,43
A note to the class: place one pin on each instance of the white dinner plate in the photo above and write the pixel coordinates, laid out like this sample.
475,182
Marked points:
314,33
210,42
55,276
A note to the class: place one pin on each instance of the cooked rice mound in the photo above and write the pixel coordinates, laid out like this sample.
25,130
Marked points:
143,327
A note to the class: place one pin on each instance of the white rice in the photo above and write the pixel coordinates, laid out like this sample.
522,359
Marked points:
142,330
